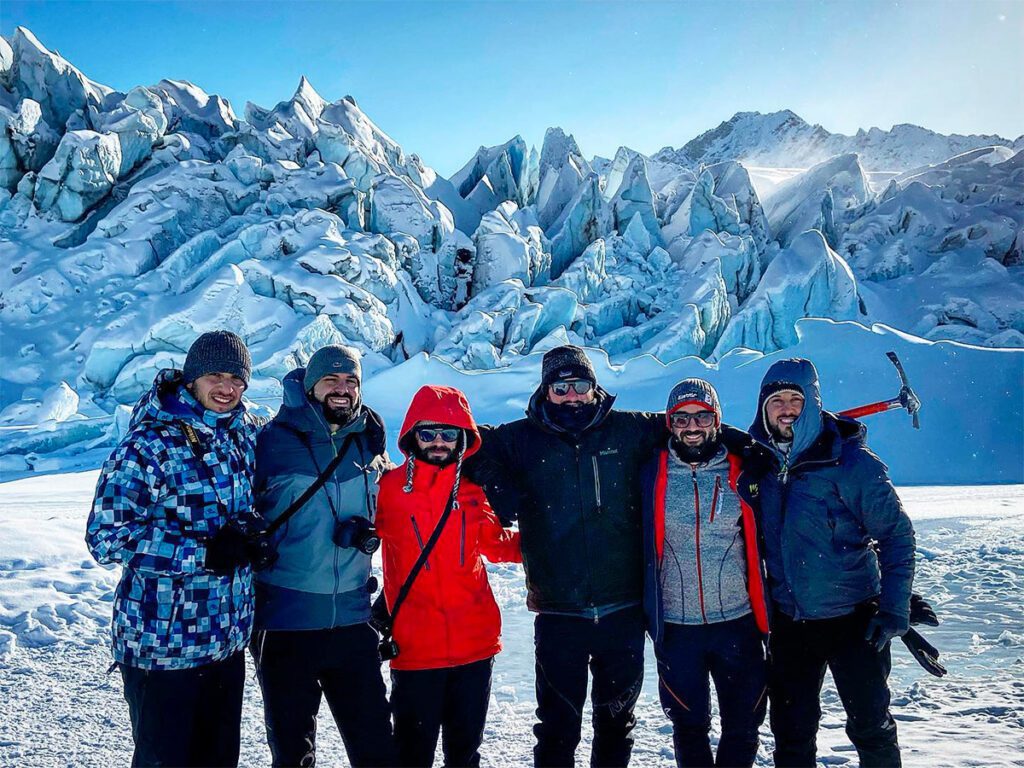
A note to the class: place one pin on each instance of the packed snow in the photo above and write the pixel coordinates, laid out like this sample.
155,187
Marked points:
59,707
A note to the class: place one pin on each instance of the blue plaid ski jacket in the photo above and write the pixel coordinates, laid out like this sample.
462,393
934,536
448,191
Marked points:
155,505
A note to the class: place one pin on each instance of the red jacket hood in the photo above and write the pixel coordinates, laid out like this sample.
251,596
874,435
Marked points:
439,405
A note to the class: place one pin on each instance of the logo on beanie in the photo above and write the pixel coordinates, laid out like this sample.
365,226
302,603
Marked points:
565,373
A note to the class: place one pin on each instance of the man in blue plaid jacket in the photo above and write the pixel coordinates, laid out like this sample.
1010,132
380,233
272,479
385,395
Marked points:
174,508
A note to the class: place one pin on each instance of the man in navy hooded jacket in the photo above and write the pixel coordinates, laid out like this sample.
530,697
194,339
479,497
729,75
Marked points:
837,604
313,605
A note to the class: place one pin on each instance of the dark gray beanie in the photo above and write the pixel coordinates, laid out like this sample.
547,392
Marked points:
333,359
218,352
695,392
567,362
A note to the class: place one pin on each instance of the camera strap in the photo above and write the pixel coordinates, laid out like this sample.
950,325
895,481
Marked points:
422,559
315,486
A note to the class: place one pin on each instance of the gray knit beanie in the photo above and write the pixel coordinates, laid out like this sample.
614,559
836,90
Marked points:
218,352
337,359
694,392
567,362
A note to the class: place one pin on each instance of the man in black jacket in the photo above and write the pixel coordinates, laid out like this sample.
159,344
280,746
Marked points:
570,473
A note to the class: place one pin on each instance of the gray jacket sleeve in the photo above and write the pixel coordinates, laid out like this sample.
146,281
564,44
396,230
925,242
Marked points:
873,499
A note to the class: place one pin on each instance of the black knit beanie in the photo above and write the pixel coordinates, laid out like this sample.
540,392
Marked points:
566,362
218,352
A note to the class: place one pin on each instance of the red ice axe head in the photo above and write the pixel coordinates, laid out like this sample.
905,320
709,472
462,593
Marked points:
906,398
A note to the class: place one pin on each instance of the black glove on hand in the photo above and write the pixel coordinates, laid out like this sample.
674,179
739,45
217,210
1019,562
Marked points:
227,550
926,654
882,628
921,612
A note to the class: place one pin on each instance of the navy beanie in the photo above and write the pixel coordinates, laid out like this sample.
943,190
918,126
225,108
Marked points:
335,358
218,352
566,362
694,392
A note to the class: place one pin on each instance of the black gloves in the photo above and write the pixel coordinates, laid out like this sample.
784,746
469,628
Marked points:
882,628
921,612
230,548
926,654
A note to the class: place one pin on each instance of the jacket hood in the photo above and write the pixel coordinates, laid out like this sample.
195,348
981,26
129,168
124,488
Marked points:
301,414
439,405
535,410
168,400
794,373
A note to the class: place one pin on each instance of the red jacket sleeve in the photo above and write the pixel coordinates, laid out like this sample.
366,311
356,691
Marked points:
497,544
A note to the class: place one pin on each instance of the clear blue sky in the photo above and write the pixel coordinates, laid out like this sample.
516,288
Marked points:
444,78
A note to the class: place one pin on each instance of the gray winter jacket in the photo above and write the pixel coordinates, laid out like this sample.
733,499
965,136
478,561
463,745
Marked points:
314,584
820,507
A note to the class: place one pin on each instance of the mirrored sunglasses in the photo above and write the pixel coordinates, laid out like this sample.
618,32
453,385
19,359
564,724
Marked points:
580,386
430,434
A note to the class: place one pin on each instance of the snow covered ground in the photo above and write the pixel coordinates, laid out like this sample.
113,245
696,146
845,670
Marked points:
58,707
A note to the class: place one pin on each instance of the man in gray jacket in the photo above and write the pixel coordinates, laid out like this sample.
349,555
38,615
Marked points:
823,498
313,605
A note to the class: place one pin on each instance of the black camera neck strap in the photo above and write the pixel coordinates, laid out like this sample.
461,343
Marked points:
424,554
315,486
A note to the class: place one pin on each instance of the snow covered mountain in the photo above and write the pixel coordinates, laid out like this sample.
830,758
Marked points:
132,222
784,140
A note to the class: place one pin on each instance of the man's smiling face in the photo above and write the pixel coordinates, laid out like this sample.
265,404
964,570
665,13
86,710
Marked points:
781,411
338,393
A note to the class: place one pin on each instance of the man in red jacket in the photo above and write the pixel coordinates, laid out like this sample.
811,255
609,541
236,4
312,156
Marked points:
448,630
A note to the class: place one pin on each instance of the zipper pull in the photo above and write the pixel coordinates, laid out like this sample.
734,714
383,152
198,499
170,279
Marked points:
597,618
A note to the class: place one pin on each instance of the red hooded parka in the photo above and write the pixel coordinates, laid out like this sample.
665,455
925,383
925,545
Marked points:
449,617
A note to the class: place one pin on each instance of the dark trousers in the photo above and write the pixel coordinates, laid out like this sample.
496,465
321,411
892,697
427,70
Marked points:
186,717
613,649
452,702
799,652
297,668
730,653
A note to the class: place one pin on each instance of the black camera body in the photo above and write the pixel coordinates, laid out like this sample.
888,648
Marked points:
356,533
387,648
262,552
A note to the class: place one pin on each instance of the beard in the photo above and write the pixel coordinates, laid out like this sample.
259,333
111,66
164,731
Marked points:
781,434
439,457
696,454
342,413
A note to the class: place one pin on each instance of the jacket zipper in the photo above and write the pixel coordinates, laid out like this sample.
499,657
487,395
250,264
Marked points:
700,570
583,521
416,530
597,483
784,478
714,497
462,541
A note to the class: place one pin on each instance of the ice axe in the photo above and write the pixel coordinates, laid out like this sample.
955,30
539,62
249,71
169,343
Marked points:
905,399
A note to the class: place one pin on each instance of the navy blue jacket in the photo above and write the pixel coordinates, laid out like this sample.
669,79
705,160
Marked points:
821,505
314,584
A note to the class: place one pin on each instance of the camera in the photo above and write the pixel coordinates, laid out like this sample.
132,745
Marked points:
261,551
387,648
358,533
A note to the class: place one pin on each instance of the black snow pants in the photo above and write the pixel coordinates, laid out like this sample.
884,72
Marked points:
799,652
296,669
452,702
613,649
186,717
732,654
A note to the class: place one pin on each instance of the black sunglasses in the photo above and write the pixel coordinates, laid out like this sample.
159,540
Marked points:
581,387
702,419
429,434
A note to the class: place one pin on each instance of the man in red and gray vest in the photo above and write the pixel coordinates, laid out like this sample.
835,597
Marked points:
703,594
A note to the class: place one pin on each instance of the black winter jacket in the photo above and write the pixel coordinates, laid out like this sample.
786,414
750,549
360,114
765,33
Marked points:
577,500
